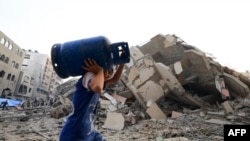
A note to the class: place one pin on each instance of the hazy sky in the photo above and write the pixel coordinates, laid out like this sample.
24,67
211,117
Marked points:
220,27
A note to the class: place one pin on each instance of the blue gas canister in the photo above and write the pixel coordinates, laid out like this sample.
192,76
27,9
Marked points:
68,58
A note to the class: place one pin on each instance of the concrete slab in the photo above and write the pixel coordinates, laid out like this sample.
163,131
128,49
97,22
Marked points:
114,121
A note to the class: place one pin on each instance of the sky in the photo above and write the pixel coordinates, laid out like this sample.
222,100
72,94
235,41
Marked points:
218,27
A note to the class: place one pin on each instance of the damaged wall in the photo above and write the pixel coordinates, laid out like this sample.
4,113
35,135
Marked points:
144,77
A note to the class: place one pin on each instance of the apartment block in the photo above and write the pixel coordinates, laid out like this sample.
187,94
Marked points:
39,67
11,59
25,74
25,86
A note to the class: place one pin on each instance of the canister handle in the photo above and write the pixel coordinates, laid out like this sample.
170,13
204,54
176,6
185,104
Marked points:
120,53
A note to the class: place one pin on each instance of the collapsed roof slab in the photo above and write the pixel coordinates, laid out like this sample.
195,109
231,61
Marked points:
189,73
164,49
199,65
177,91
236,86
244,79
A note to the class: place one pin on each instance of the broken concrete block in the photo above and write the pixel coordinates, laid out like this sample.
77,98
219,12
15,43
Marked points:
109,97
220,114
127,94
164,49
228,107
60,111
242,114
237,86
144,71
231,117
64,100
131,117
151,91
119,98
145,78
182,70
155,112
176,114
244,78
149,102
104,103
169,77
136,94
176,139
132,74
114,121
178,68
141,71
202,114
217,121
112,108
135,53
170,40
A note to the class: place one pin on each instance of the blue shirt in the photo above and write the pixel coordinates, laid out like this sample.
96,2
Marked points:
80,123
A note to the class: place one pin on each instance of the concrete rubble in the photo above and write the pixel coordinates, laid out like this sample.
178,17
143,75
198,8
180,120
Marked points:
169,91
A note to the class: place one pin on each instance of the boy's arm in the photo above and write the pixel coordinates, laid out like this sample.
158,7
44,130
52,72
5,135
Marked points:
116,77
97,81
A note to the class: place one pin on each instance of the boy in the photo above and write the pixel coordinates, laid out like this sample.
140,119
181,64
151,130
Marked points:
80,124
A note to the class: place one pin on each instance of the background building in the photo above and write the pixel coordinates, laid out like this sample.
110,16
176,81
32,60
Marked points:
11,59
39,68
25,86
26,75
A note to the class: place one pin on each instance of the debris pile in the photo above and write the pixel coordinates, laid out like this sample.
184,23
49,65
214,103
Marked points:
61,108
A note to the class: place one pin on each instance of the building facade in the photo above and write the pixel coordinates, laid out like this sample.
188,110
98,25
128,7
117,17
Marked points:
24,87
26,75
39,68
11,59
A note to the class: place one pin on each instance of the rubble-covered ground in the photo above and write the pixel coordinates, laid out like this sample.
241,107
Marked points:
185,123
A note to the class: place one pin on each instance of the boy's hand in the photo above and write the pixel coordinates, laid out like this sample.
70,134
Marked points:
92,66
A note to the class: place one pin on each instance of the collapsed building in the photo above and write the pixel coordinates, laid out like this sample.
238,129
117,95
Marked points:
182,72
168,68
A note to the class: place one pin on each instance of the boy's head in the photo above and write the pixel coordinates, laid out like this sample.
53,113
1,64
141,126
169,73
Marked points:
108,73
